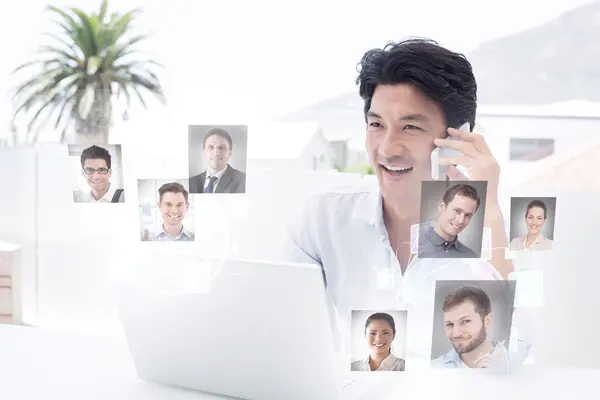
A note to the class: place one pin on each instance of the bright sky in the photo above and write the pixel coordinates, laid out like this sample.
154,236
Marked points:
234,60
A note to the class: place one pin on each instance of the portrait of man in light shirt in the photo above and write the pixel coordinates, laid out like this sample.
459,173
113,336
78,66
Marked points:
468,320
96,168
456,208
416,93
173,205
220,176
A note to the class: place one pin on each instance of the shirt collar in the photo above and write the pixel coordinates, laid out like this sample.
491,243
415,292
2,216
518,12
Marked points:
219,174
539,240
183,232
107,196
370,210
437,240
453,357
387,362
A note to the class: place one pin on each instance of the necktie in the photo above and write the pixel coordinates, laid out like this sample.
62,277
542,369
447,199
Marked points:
211,184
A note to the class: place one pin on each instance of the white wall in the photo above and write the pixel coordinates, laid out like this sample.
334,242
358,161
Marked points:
568,133
273,199
278,164
18,216
318,148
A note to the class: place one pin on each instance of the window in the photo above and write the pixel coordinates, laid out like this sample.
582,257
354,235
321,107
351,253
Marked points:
522,149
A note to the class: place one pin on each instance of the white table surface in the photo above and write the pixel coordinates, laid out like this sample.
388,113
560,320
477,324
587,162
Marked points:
36,364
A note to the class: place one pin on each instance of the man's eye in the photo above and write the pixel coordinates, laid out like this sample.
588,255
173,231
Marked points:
411,127
375,125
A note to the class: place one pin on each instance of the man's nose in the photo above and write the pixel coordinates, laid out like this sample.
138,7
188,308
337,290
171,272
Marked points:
391,144
457,333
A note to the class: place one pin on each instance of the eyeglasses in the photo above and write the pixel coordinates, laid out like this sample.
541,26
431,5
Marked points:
101,171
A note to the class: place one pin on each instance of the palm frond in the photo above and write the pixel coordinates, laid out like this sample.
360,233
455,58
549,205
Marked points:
92,61
87,32
103,10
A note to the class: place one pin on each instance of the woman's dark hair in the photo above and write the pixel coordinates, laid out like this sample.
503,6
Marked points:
536,203
381,317
440,74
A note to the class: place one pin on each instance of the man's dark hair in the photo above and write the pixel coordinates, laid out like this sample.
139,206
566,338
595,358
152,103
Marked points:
174,187
381,317
476,295
440,74
461,189
536,203
95,152
218,132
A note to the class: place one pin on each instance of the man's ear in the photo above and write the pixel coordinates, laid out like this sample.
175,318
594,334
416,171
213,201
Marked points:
441,206
487,321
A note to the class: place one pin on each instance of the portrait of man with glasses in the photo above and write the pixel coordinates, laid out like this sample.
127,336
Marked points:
96,169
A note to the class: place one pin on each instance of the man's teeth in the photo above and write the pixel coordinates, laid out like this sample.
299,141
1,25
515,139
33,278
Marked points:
378,345
397,169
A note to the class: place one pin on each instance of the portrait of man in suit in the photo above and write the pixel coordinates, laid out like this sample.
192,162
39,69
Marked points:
219,176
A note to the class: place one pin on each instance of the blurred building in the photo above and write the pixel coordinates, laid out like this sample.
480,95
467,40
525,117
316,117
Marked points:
289,146
526,138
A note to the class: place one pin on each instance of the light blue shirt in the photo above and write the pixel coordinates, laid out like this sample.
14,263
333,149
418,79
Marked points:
343,231
452,359
163,236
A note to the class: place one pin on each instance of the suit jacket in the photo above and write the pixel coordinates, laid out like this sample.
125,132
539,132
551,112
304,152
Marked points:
232,181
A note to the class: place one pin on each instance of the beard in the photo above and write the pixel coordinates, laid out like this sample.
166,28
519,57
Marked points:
473,344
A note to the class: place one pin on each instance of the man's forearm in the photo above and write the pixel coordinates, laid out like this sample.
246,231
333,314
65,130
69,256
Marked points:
495,221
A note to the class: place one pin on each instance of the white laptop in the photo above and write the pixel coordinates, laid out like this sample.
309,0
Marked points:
261,331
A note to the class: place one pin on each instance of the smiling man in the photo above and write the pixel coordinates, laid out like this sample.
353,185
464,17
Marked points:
416,93
458,205
219,177
96,168
173,205
467,323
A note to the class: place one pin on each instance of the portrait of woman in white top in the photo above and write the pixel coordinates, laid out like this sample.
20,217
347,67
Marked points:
380,332
535,218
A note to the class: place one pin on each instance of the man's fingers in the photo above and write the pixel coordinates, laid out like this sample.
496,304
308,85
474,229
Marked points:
475,138
459,160
465,148
454,174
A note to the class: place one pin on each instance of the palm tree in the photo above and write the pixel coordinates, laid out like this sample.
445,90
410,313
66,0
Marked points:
93,64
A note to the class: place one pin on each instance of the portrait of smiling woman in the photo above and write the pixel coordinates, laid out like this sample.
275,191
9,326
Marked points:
380,334
532,232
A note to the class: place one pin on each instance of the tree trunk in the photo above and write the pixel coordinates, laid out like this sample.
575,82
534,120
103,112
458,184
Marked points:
95,127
